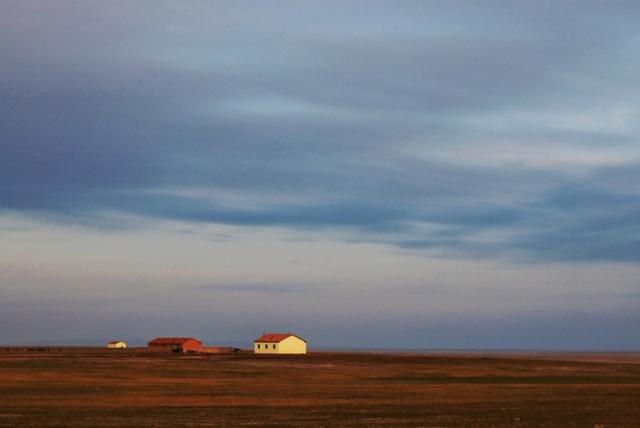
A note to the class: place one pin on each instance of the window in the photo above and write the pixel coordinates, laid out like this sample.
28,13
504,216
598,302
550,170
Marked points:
274,346
258,346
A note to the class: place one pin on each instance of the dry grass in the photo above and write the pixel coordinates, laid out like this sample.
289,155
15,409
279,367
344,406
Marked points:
138,388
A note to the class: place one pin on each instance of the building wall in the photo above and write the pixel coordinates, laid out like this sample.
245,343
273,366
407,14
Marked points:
191,345
117,345
265,348
290,345
162,345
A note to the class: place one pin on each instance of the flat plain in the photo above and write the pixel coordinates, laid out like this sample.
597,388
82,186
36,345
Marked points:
92,387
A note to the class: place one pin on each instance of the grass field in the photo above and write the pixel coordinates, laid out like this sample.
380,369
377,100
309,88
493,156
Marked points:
87,387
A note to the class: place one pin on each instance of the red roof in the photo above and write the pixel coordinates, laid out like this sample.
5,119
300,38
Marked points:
172,340
276,337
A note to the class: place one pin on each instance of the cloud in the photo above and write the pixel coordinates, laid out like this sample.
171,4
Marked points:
252,288
584,222
416,126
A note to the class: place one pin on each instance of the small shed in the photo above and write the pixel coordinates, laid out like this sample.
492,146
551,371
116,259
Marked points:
279,343
116,344
176,344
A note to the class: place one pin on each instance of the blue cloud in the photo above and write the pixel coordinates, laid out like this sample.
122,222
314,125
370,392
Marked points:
417,126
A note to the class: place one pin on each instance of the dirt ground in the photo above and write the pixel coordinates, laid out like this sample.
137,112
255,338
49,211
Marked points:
84,387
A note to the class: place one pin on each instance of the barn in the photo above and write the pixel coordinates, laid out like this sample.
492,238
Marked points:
176,344
118,344
279,343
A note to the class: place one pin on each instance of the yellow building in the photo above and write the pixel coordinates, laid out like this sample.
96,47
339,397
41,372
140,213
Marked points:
117,344
279,343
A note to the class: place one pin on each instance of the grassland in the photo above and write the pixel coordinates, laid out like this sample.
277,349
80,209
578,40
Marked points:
69,387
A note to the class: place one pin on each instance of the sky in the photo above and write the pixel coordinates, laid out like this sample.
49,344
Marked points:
413,174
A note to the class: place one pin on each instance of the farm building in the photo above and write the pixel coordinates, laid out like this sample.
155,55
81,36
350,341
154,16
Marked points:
279,343
176,344
117,344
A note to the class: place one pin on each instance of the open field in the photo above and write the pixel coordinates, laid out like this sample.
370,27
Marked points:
138,388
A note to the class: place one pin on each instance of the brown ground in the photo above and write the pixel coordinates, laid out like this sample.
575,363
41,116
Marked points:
138,388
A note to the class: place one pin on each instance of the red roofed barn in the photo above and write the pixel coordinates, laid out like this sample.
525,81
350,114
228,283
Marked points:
176,344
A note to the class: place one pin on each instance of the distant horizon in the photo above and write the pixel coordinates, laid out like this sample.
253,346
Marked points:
98,343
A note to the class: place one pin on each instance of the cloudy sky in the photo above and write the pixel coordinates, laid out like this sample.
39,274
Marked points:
435,174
